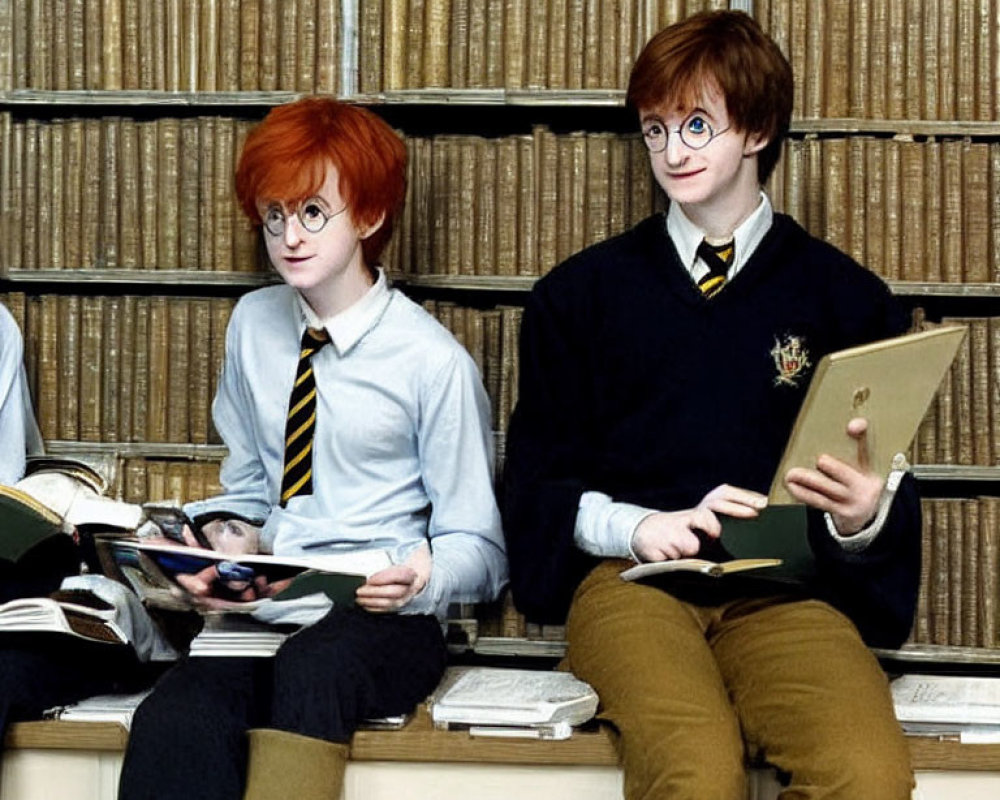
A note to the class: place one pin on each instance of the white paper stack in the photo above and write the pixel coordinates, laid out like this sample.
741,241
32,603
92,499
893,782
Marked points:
513,702
949,705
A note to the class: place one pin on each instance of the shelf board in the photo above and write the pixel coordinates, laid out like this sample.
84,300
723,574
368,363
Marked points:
138,97
503,283
171,277
955,472
194,452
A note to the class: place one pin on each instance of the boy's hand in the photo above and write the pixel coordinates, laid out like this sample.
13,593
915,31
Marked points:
392,588
849,494
671,534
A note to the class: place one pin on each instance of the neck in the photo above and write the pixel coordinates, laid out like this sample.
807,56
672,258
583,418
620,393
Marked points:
330,299
719,220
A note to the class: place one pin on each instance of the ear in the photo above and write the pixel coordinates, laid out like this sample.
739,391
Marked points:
755,142
367,230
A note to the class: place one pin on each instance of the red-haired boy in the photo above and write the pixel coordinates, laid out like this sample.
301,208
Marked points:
657,390
353,420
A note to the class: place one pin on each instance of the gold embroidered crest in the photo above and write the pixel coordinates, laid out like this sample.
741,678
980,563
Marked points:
791,359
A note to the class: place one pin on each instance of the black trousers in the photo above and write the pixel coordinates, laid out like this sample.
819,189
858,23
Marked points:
188,738
39,671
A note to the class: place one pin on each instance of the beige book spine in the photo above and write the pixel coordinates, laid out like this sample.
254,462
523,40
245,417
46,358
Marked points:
189,52
246,238
838,62
555,46
856,190
468,196
618,185
249,60
976,201
835,203
493,343
416,41
68,398
931,224
222,170
878,58
438,206
995,212
76,64
159,370
29,196
527,207
147,45
640,181
485,242
423,204
173,20
896,61
269,43
956,547
947,449
130,49
948,57
496,36
92,50
576,16
967,589
458,49
156,480
455,219
43,191
952,240
394,58
111,371
510,330
989,571
370,54
859,74
208,55
109,233
177,481
135,480
141,381
126,375
130,229
229,44
792,194
628,43
199,398
206,193
7,194
597,166
305,57
438,41
962,396
939,581
592,36
913,258
506,192
477,39
913,63
979,396
813,194
547,171
189,235
287,45
993,324
39,55
168,195
90,201
515,24
987,51
179,378
149,187
921,632
328,46
966,35
7,11
875,167
893,213
474,341
47,398
930,67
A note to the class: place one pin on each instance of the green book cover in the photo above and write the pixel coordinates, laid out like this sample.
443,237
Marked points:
24,523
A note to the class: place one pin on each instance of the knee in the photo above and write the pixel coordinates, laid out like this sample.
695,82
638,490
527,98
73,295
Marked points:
883,772
658,773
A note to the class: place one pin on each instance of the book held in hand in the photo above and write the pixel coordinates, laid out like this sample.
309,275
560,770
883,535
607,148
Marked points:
78,613
715,569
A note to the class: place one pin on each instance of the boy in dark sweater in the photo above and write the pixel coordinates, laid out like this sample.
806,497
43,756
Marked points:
657,391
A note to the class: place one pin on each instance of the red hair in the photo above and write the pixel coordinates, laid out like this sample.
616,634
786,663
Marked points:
286,157
725,51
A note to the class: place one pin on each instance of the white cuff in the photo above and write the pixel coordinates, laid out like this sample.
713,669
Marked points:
605,528
859,541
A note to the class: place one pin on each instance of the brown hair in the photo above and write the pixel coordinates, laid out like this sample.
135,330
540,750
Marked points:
726,50
286,157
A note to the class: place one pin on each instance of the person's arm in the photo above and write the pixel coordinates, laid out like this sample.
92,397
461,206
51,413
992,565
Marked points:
17,421
465,561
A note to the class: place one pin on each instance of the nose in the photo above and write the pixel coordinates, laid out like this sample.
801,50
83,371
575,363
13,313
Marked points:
292,235
675,151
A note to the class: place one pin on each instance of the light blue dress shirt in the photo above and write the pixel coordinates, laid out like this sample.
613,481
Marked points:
402,452
18,430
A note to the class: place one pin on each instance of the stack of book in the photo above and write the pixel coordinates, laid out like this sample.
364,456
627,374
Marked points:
961,707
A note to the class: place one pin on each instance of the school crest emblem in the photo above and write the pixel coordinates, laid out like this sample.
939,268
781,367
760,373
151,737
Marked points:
791,359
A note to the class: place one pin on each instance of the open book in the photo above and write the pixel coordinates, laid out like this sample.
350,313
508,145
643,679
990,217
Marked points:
77,612
700,565
891,383
337,575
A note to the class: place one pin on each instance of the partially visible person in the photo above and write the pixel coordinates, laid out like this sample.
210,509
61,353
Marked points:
661,374
19,435
353,421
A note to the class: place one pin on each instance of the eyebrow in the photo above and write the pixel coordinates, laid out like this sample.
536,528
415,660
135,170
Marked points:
653,117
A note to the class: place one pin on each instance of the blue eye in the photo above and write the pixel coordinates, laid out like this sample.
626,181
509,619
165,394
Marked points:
697,125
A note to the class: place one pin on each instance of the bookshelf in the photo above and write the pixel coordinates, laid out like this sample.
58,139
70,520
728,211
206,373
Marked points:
520,154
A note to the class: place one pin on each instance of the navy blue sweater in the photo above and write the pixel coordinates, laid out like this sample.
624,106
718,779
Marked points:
633,384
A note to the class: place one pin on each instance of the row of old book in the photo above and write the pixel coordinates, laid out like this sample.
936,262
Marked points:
172,45
508,44
123,368
962,425
908,210
120,193
960,573
918,59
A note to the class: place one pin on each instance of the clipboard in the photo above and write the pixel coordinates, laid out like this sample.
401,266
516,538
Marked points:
890,382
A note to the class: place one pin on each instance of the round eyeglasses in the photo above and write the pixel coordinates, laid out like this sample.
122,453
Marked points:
695,133
311,216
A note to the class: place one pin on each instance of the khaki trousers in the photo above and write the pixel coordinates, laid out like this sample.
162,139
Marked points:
695,692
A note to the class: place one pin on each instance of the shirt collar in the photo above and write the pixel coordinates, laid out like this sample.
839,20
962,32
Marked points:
687,236
347,327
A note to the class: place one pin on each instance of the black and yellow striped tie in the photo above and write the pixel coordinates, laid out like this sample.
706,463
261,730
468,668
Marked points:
718,259
297,476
